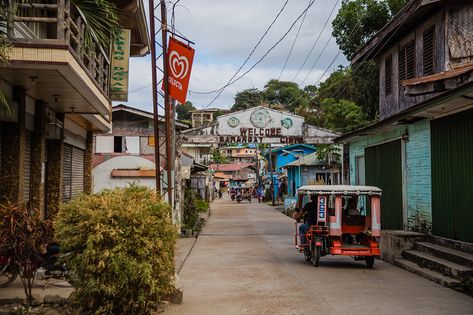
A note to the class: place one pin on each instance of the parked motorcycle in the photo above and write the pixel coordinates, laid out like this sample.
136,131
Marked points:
50,268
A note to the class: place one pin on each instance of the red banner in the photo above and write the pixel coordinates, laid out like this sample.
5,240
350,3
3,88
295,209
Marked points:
180,58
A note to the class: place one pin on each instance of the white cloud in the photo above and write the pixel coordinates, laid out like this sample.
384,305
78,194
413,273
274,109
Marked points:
226,31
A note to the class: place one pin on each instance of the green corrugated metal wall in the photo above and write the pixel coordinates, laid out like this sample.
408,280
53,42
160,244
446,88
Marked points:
383,169
452,176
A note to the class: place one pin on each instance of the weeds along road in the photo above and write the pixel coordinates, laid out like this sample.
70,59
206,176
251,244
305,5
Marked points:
244,262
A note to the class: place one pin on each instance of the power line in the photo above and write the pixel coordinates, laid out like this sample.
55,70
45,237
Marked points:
362,63
316,41
329,66
293,44
262,58
325,46
251,53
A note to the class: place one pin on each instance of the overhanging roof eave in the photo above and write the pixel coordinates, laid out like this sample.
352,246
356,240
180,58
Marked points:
435,101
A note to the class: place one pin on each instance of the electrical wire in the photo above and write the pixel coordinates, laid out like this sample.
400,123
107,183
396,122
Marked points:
316,41
250,54
262,57
363,64
293,44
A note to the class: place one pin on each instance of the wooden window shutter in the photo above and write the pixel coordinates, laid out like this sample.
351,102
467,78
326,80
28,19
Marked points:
402,64
407,61
388,75
410,60
428,55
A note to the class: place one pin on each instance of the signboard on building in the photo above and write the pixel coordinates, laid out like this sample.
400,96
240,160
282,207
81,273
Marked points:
180,58
120,66
261,125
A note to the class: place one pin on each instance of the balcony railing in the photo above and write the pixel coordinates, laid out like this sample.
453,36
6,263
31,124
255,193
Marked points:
59,23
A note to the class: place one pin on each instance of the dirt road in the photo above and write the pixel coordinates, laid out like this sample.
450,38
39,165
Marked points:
244,262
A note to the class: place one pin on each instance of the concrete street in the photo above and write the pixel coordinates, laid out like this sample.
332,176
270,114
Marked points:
244,262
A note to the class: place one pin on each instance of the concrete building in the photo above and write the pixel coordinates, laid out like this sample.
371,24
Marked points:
237,173
285,155
203,117
59,91
240,153
200,152
309,170
127,154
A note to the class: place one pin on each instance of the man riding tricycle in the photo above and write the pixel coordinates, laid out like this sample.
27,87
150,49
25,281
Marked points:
338,220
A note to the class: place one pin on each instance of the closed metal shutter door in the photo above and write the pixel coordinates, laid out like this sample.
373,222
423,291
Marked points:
452,176
26,166
66,173
383,169
77,173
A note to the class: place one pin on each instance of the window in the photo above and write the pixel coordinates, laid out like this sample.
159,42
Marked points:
428,55
118,144
407,61
388,78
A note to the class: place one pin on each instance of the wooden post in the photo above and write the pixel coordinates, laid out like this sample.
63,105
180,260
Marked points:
60,19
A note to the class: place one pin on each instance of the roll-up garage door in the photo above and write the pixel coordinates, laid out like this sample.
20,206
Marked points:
77,172
383,168
452,176
26,167
66,173
73,172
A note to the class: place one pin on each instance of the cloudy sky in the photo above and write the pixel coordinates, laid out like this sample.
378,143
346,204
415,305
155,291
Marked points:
225,32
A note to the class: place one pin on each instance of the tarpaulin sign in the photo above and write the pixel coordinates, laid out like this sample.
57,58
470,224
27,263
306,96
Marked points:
180,57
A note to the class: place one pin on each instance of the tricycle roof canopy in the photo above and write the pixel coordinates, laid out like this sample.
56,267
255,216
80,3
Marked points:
339,190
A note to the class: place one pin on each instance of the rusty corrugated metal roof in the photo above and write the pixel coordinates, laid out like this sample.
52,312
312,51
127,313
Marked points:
438,76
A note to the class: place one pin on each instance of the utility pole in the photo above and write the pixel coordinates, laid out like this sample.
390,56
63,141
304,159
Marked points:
168,110
258,181
166,153
270,164
154,80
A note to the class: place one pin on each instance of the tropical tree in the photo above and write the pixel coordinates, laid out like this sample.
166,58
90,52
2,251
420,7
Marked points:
285,93
101,23
342,115
183,111
247,99
356,22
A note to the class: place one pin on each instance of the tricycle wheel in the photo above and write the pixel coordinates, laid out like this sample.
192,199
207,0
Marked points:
369,261
316,256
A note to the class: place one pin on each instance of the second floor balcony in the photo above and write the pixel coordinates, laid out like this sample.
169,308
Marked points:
59,24
55,60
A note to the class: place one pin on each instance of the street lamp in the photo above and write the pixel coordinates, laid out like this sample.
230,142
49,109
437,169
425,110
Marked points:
299,157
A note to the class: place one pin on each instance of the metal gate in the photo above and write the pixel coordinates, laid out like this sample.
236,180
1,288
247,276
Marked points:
452,176
73,172
383,169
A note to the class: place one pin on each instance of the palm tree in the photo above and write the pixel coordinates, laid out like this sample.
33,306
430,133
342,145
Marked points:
101,23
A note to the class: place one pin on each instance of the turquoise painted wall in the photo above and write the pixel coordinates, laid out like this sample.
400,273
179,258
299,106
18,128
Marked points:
419,177
417,170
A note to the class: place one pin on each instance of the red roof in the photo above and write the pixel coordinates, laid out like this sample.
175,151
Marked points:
230,167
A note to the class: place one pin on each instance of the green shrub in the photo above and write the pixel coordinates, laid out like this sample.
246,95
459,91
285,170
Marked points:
120,246
192,208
